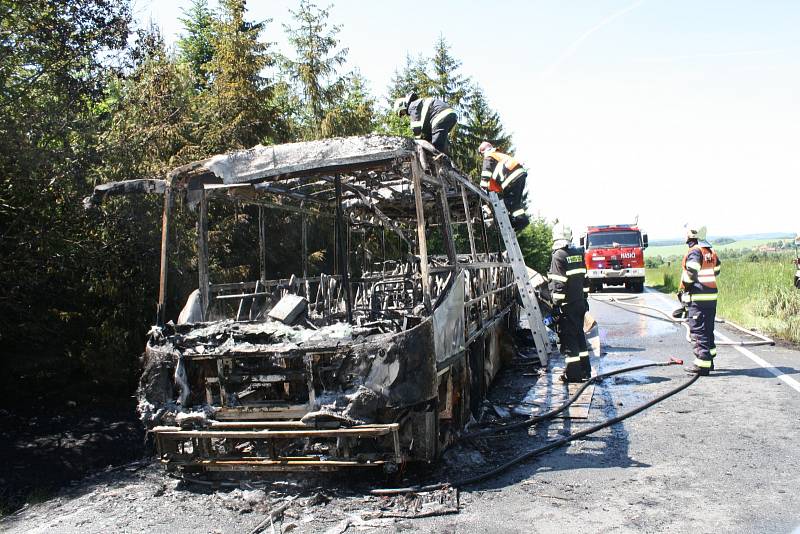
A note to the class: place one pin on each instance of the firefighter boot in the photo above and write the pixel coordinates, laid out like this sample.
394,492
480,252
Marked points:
713,356
519,223
586,367
573,372
699,367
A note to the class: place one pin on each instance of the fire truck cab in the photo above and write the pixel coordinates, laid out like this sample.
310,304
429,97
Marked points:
615,256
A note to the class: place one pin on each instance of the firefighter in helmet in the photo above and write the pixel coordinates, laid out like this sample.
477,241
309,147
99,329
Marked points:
431,119
569,291
698,294
505,175
797,261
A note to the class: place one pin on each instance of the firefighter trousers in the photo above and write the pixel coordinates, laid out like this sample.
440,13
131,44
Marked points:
440,133
514,198
514,193
700,318
573,340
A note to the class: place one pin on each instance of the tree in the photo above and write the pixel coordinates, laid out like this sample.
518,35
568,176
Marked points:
440,76
450,85
354,113
412,78
150,118
151,115
446,81
197,44
55,57
237,109
535,242
315,66
482,124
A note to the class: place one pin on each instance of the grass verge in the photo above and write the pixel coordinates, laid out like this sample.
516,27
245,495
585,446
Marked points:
756,295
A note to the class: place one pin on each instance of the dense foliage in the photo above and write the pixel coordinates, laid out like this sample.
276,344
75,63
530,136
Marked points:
85,98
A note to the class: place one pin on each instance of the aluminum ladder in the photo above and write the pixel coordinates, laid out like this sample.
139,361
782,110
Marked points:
526,292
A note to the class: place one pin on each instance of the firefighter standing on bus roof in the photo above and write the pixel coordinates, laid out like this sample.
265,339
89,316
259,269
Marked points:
503,174
431,119
568,288
698,293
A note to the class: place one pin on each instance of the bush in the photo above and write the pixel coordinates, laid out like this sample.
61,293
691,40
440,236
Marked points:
535,242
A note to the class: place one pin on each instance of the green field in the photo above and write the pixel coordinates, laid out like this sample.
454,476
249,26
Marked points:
756,295
680,250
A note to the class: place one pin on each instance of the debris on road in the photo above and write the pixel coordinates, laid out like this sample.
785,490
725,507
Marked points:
422,504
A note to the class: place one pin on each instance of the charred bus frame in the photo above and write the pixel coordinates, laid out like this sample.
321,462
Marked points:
387,365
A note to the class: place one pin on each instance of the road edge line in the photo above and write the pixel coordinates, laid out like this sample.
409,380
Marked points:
786,379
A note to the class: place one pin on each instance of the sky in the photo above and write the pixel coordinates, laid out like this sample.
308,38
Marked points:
678,111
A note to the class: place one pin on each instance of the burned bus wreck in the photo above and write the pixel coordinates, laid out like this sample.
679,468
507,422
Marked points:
378,362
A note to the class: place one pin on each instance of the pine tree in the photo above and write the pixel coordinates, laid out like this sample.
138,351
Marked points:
151,114
315,66
196,46
354,113
446,82
412,78
482,124
237,110
450,85
440,76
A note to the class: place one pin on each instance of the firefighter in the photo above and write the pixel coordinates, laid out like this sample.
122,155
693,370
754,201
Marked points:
431,119
797,261
505,175
568,288
698,293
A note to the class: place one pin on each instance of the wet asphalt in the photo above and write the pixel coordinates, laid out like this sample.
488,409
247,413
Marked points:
721,456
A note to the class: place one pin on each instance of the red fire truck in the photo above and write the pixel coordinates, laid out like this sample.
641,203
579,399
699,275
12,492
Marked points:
615,256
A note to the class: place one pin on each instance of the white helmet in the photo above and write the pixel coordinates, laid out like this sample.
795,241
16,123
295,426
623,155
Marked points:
401,104
695,233
561,232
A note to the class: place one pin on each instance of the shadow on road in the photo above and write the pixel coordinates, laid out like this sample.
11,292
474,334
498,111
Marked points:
755,372
44,451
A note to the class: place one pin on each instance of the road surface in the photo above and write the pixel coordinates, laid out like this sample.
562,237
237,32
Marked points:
721,456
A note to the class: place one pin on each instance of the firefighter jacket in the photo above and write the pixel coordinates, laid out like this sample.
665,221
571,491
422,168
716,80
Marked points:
425,114
700,269
567,276
501,169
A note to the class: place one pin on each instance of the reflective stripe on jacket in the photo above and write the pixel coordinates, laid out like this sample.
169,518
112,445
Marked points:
567,275
699,272
502,168
425,114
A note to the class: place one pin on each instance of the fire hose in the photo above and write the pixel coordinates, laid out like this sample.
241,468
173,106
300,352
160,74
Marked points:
553,444
620,302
